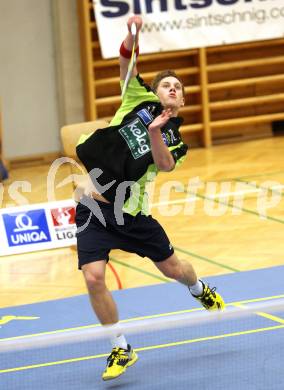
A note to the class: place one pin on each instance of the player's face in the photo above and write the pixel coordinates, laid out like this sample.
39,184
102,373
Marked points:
170,93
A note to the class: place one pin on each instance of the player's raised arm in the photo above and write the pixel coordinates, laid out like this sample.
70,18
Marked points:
127,46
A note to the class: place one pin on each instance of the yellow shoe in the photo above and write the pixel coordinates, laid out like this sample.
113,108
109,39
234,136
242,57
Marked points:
118,361
210,299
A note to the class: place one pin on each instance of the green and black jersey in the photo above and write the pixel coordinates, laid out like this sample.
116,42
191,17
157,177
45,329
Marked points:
120,154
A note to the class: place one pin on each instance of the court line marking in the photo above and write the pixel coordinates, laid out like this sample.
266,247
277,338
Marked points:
116,276
227,204
163,279
271,317
151,347
6,319
185,251
265,315
215,196
256,189
158,277
249,176
253,300
261,188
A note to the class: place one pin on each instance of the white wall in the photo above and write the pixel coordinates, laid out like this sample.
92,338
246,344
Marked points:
32,115
68,61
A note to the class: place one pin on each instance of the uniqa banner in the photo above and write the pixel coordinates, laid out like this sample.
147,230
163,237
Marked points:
184,24
37,227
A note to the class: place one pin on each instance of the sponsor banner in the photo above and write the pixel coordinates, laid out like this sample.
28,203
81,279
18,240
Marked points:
37,227
184,24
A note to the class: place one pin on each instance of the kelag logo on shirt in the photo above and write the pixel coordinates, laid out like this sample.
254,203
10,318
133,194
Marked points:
25,228
137,138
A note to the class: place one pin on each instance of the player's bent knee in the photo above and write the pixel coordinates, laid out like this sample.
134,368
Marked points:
95,283
94,280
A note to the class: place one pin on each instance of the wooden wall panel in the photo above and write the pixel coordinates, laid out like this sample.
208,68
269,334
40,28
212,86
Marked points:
232,91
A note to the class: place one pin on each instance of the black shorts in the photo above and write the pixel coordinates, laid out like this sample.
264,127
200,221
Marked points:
141,234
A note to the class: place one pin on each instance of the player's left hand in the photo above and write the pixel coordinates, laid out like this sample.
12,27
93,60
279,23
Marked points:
160,120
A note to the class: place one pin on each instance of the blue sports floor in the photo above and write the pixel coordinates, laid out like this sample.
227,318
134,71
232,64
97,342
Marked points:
245,353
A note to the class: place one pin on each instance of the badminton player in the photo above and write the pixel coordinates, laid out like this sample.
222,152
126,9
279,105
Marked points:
142,139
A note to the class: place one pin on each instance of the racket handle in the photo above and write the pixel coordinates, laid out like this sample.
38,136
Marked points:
133,29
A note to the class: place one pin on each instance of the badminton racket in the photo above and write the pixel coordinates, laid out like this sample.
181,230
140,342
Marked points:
132,61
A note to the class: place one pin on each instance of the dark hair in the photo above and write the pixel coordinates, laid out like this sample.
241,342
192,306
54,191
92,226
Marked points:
160,76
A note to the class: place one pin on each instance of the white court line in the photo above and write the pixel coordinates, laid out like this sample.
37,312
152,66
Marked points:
226,194
185,200
276,187
216,196
279,186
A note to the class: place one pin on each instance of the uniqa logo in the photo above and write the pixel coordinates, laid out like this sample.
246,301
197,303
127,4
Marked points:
24,222
27,232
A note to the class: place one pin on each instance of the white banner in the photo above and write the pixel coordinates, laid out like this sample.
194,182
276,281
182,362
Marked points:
184,24
37,227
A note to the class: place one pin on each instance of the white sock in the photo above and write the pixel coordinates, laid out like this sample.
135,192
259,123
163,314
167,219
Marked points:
117,339
197,288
